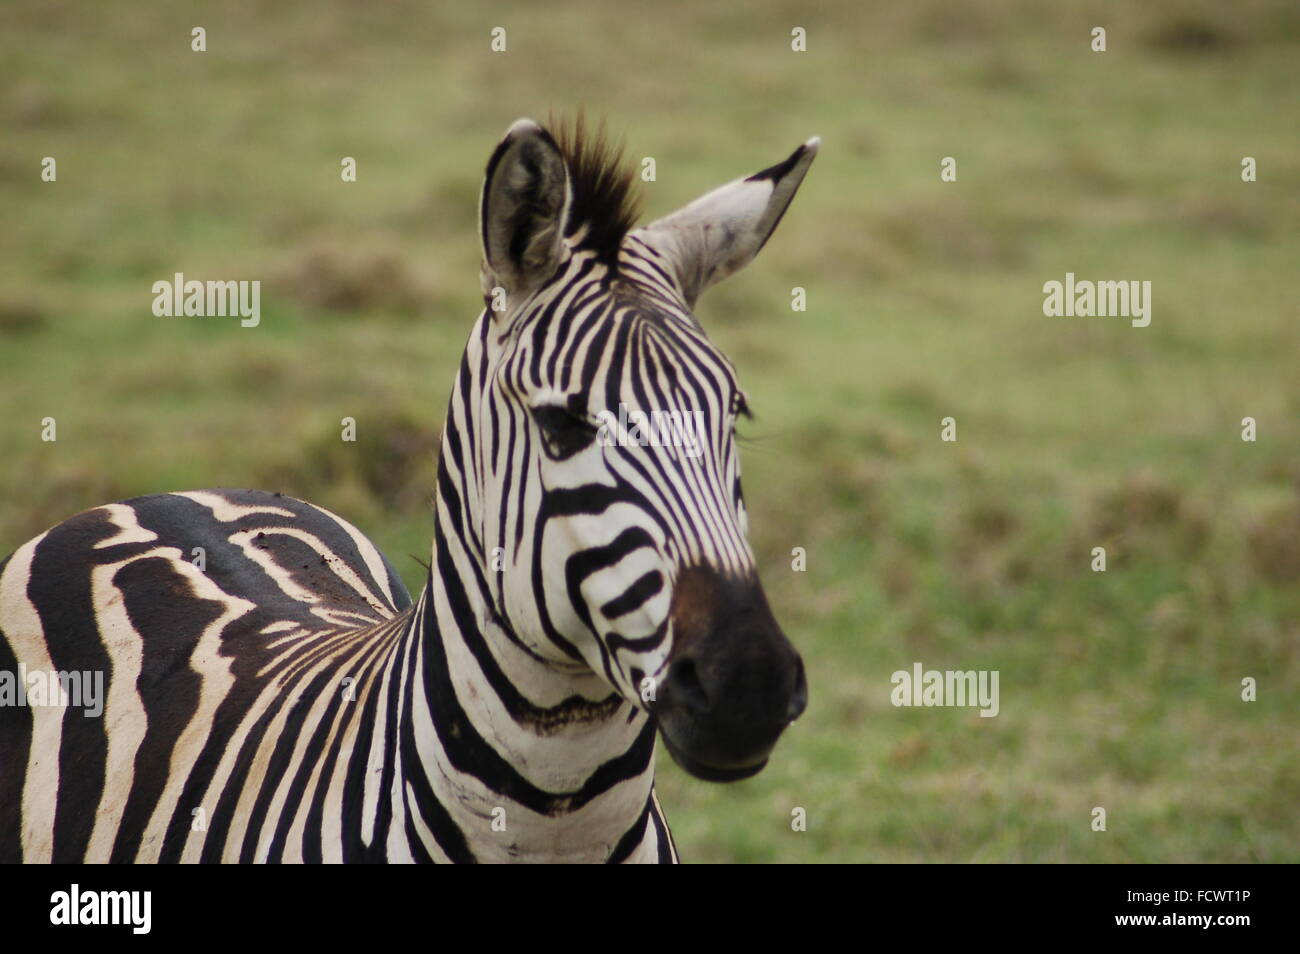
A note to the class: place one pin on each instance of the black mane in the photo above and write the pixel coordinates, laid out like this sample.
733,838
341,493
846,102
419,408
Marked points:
601,179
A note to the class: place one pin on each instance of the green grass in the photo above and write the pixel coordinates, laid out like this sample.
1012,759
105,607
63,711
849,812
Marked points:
1119,689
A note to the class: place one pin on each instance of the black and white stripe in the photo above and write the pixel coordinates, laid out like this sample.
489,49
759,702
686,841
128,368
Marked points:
287,701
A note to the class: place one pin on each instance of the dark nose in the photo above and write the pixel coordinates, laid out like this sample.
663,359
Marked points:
698,689
734,682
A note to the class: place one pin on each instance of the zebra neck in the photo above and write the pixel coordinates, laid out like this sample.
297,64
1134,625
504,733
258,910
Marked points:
504,755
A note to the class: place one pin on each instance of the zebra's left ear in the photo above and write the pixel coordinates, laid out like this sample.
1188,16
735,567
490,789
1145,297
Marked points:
522,210
721,232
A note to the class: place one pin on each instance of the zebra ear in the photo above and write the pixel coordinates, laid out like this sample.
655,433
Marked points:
522,210
721,232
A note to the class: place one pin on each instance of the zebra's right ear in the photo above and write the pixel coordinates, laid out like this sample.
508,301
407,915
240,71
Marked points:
523,209
721,232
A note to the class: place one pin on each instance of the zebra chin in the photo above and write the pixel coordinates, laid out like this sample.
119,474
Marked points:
711,773
734,682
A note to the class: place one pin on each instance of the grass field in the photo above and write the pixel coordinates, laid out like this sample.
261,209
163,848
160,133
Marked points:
1120,689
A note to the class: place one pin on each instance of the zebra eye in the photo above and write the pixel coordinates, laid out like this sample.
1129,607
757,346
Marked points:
564,432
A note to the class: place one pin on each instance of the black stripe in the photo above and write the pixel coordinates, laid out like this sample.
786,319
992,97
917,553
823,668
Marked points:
646,586
59,588
631,838
170,624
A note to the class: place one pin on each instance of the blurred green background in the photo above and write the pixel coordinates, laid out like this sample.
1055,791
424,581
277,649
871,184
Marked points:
1118,689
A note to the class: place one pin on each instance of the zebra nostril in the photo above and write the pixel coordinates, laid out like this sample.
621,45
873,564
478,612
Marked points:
685,685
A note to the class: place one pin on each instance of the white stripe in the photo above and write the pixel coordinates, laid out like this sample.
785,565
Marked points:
383,736
125,720
129,527
228,512
22,627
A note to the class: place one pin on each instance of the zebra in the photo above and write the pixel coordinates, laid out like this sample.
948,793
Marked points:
284,699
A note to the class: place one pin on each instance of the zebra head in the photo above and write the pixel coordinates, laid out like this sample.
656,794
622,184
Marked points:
601,477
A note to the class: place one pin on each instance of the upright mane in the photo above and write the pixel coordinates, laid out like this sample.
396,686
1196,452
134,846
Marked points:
604,202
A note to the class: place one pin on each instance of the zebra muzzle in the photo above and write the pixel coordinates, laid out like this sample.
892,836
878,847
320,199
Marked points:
734,681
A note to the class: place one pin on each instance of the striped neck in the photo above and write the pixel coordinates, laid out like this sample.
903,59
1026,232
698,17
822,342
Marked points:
505,755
